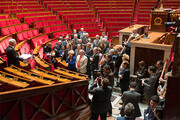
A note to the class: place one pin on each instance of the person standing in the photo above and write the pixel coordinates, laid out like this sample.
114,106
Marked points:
12,56
101,98
124,76
94,62
81,62
70,61
133,97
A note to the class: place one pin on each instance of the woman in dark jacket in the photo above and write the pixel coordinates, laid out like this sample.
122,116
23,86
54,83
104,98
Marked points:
70,61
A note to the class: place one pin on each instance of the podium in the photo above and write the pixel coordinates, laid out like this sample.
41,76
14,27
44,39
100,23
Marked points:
158,17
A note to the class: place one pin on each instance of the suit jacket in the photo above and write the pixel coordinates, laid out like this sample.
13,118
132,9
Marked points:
57,50
71,62
124,82
111,64
101,99
75,41
94,63
96,43
149,114
150,86
47,50
133,97
64,55
110,77
76,52
89,52
12,56
83,63
118,61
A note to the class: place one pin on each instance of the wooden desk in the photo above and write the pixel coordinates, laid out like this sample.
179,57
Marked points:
153,37
148,50
124,33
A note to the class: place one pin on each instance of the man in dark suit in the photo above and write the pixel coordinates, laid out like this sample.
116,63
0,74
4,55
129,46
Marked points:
117,62
149,113
128,110
94,62
12,56
101,98
107,73
150,84
57,48
133,97
124,76
89,53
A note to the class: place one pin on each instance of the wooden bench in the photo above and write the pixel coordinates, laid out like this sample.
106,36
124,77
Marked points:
72,74
29,75
49,74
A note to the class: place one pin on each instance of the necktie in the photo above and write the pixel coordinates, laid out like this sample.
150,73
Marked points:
79,62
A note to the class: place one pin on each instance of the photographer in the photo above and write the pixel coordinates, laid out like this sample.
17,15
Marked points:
101,99
149,112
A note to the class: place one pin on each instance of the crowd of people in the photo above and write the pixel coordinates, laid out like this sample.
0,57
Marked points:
109,66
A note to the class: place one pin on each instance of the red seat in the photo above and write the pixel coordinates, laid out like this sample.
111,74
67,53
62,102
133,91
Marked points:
25,35
35,32
20,37
30,34
5,31
25,27
18,28
3,23
12,29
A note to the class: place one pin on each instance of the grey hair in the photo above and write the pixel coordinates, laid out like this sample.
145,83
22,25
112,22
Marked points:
129,109
11,41
81,50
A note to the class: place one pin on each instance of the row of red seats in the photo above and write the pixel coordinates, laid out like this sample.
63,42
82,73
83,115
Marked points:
10,21
84,25
25,14
113,11
18,2
171,4
8,11
13,29
49,6
31,19
4,43
59,13
116,24
2,7
113,5
52,28
112,8
115,19
24,35
38,40
45,3
93,34
92,29
144,11
54,9
78,20
116,28
4,16
40,24
67,16
61,33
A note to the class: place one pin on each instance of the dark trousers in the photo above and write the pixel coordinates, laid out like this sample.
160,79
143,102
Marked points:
94,116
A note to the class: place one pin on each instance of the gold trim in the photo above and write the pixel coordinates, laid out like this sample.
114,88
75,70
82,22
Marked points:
159,21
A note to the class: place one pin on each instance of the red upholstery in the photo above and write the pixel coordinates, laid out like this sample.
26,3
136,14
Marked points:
2,7
21,15
67,16
39,40
24,35
61,33
68,8
84,25
40,24
79,20
93,29
4,42
115,15
114,28
5,16
53,28
93,34
13,29
39,18
63,5
73,12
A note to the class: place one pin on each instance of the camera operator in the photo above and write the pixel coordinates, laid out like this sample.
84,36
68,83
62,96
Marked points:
101,99
149,112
